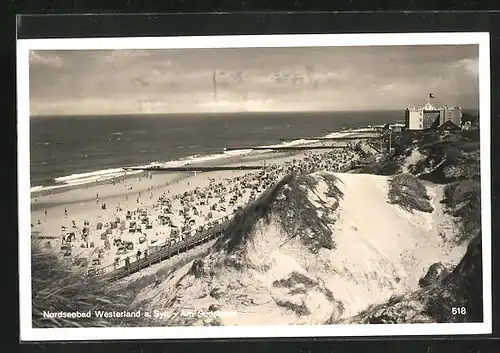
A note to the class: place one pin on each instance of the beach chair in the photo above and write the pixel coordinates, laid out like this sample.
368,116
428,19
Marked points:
80,262
66,247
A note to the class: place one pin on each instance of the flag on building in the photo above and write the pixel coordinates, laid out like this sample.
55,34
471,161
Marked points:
431,95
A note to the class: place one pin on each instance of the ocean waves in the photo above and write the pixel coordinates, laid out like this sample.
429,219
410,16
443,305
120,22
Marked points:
109,174
129,156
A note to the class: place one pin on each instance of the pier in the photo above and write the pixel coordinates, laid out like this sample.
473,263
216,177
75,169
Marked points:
197,169
288,148
338,138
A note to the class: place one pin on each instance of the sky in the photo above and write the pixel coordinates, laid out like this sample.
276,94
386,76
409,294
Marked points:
105,82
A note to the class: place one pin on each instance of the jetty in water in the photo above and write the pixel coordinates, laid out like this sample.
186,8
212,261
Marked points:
189,168
363,136
287,148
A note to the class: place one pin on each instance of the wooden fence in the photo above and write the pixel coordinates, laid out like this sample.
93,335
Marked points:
163,253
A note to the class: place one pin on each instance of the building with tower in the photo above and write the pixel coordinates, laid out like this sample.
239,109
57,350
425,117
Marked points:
429,116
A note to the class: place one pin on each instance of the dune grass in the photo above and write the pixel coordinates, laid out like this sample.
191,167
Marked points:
245,221
59,287
456,155
295,214
462,288
299,310
298,217
463,200
408,192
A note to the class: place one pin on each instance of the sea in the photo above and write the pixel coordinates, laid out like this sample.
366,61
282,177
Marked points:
70,150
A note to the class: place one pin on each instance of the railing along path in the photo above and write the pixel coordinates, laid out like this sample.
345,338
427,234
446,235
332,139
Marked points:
162,253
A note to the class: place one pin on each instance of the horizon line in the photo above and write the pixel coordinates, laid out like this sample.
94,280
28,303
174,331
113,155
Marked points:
228,112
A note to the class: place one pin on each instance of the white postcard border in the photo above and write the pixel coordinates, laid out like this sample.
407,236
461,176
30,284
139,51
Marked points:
28,333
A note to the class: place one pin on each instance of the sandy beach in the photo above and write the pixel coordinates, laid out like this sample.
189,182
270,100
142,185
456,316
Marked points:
104,225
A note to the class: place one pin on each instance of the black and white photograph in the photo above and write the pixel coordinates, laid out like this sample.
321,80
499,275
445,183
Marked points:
254,186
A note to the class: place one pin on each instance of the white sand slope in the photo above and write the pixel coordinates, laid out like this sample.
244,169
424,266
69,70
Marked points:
379,250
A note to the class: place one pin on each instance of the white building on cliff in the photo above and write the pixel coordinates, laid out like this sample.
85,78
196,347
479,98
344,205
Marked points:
430,116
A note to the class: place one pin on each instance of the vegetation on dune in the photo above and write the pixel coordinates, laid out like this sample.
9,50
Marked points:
408,192
333,190
387,165
463,288
446,295
435,273
294,279
288,201
390,163
299,309
463,200
451,158
57,287
454,297
299,218
245,221
299,284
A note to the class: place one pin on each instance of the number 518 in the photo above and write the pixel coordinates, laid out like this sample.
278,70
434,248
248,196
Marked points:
461,310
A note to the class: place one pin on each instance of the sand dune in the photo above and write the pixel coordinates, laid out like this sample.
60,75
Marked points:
313,248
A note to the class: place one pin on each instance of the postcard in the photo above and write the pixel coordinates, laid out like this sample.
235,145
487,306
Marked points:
254,186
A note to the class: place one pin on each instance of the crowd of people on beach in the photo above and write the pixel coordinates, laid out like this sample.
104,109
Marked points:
133,234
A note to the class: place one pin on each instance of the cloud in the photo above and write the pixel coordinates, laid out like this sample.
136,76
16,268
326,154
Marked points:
470,65
117,55
252,78
45,59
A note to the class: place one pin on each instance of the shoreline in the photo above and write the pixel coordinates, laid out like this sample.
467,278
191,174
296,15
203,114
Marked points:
89,221
220,159
249,159
193,200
